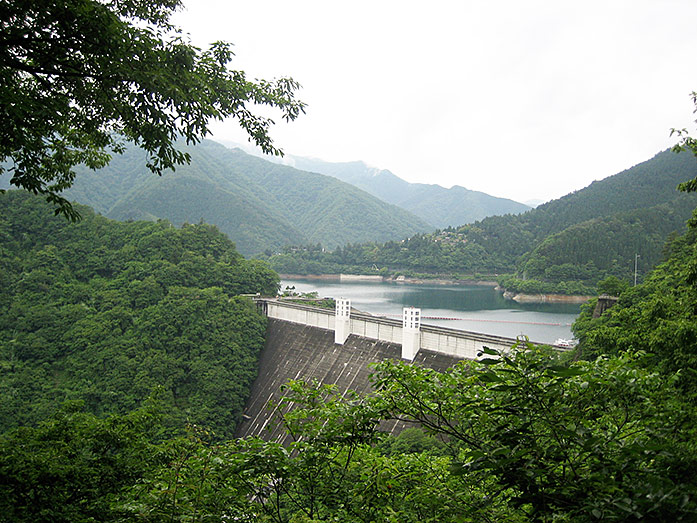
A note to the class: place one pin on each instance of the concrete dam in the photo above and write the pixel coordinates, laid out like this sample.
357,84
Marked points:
337,347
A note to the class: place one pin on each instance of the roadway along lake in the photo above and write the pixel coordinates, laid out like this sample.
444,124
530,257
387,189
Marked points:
476,308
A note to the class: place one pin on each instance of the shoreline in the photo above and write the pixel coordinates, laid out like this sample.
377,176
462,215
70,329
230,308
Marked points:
383,279
546,298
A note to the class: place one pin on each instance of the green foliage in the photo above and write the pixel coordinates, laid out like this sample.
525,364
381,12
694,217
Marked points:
105,312
410,441
71,466
418,254
603,247
532,286
521,437
594,440
687,143
525,439
334,471
612,286
79,78
658,316
196,481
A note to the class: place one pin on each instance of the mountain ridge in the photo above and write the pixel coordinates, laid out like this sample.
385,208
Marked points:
259,204
632,212
440,206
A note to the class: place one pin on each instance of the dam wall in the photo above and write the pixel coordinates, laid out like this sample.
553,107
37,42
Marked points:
294,351
461,344
338,347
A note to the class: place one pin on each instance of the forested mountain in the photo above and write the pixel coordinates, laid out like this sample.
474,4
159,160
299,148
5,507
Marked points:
580,251
109,313
436,205
648,184
583,236
260,205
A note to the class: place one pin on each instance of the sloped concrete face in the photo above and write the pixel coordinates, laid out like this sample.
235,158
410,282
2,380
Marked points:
295,351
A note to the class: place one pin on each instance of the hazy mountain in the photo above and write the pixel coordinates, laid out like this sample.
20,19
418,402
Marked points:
644,185
534,202
437,205
612,211
259,204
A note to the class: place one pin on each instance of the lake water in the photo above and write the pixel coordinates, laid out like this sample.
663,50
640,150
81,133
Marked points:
473,308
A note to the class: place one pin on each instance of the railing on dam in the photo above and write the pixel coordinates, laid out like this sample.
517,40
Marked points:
412,337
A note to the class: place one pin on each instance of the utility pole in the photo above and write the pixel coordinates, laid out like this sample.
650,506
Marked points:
636,259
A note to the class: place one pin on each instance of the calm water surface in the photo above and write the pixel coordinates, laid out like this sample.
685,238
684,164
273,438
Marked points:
475,308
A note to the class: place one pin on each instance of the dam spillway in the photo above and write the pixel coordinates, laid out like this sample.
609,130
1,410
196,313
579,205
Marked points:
459,343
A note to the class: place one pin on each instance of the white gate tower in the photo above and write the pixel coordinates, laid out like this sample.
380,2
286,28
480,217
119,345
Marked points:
342,320
411,332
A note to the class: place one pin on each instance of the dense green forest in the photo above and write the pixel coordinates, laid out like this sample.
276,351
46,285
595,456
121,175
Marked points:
258,204
106,312
526,436
658,317
566,245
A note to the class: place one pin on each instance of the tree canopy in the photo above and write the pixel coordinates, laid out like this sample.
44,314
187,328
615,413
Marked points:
79,78
514,437
105,312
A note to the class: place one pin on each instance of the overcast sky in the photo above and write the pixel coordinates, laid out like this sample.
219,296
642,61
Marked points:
519,99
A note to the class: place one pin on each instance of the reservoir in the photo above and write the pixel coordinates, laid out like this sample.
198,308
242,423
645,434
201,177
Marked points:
470,308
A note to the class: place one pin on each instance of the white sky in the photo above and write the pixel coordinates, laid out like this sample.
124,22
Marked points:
519,99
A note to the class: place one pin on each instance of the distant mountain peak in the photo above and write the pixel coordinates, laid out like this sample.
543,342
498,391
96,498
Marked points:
433,203
442,207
